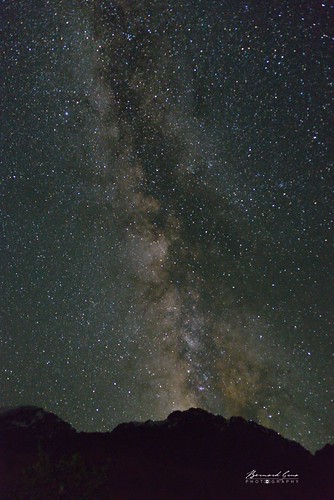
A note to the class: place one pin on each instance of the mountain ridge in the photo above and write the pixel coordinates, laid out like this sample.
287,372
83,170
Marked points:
191,454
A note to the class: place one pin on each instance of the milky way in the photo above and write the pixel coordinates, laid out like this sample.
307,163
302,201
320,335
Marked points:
168,211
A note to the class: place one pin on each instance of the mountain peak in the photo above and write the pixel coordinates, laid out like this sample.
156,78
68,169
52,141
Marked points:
33,420
192,414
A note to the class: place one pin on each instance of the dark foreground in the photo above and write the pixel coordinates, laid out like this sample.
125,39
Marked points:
191,455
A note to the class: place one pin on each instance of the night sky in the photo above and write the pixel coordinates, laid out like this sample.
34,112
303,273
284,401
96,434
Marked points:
167,213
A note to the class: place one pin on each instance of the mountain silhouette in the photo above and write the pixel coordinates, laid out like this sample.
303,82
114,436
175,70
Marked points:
192,455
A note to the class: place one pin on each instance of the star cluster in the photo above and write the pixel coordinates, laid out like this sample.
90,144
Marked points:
168,211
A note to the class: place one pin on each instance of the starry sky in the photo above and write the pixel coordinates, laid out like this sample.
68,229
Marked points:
167,211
